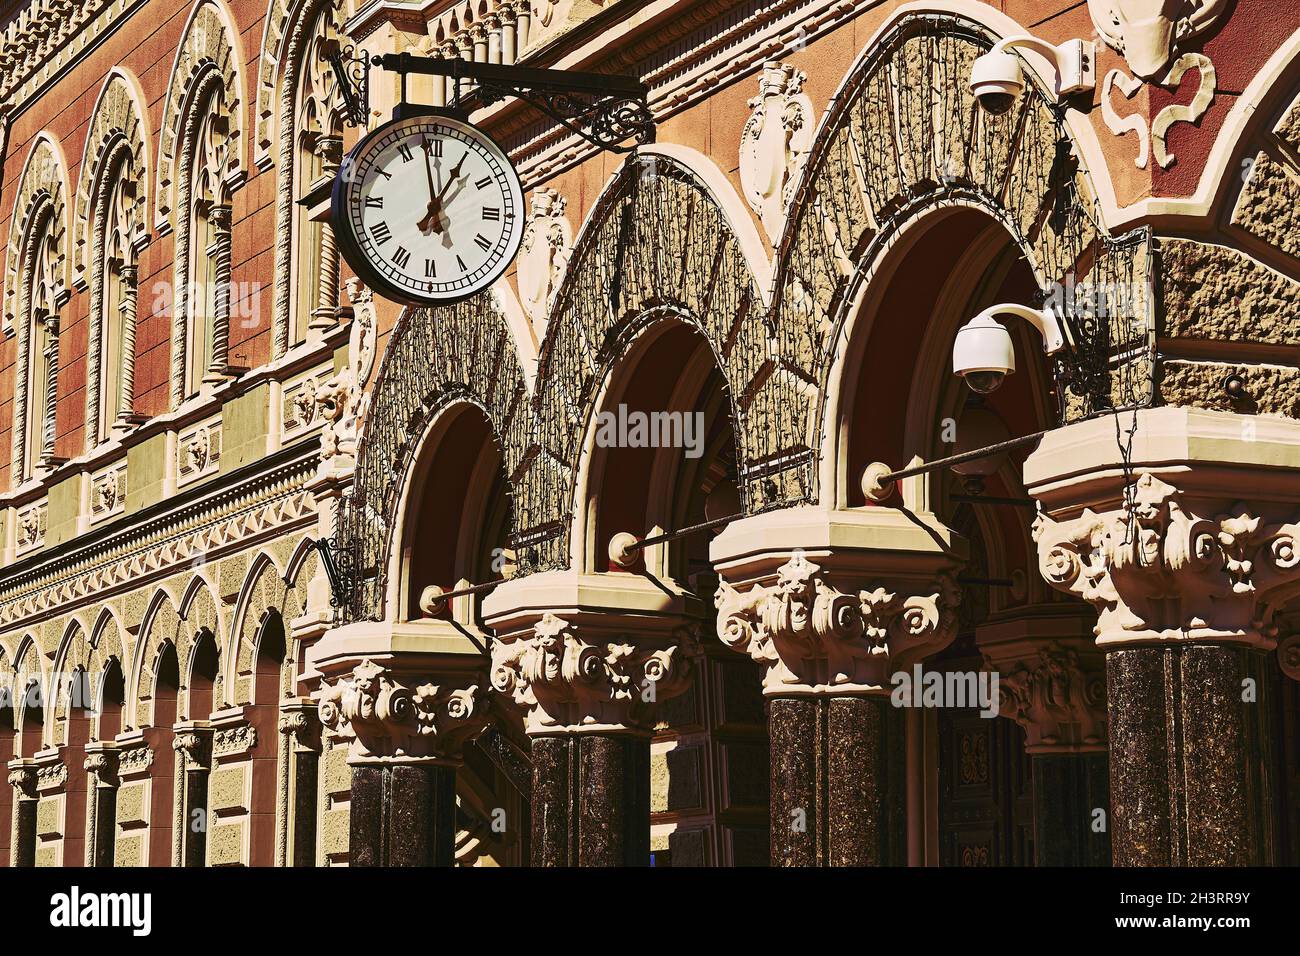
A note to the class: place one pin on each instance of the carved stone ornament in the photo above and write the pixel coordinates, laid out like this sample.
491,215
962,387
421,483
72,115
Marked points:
816,640
775,143
23,779
1288,656
341,400
543,253
1148,33
192,748
387,721
564,683
102,765
1157,571
1059,699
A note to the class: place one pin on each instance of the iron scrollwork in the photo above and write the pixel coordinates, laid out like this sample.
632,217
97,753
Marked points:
604,121
352,73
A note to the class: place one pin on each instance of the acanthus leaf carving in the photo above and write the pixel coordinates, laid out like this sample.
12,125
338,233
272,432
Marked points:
563,682
386,720
1158,571
815,639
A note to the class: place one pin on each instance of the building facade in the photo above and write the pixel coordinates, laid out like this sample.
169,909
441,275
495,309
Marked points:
294,576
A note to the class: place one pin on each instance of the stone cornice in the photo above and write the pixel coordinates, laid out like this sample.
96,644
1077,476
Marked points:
261,498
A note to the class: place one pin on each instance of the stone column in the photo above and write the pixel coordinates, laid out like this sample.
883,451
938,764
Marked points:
406,698
125,417
1052,682
831,618
101,815
299,784
22,777
325,316
1187,551
193,745
583,659
219,369
50,398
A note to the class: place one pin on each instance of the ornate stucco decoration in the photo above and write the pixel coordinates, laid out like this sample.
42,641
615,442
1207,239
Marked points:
543,253
564,683
1160,572
135,761
342,399
814,639
193,749
1149,33
51,776
102,766
1058,698
229,741
388,721
775,143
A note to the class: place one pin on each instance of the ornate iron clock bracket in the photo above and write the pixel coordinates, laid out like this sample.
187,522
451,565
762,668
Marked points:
605,110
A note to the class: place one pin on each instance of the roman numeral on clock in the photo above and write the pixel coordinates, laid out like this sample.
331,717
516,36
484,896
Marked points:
381,233
460,262
401,257
375,202
484,183
482,243
492,212
404,150
430,268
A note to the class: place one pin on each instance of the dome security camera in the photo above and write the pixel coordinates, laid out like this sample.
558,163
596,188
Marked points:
983,353
997,81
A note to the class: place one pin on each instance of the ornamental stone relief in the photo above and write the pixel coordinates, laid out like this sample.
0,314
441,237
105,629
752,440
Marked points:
1057,695
385,719
343,400
774,144
1149,34
814,639
543,254
43,181
563,682
1159,571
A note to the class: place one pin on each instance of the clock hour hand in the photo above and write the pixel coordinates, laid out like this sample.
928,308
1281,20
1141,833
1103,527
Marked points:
433,214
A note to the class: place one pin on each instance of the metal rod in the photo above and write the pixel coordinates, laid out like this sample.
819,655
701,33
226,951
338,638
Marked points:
470,589
555,81
996,500
964,457
682,532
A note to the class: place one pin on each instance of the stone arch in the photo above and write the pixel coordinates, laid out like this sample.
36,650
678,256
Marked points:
117,123
42,190
434,357
903,137
264,590
661,228
106,645
281,71
161,627
29,669
199,614
209,48
72,657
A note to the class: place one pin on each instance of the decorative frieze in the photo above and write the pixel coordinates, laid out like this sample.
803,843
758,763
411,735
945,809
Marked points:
108,492
134,762
1157,570
388,721
814,639
563,682
51,776
232,741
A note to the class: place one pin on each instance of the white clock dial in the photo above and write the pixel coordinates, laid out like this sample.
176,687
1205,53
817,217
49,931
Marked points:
431,208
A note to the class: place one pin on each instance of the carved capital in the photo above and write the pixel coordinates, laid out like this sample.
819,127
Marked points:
387,721
102,765
1156,570
23,780
1057,695
1288,656
192,748
564,682
814,639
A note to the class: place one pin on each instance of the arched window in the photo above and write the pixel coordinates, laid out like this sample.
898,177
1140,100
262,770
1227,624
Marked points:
113,295
314,135
39,301
205,291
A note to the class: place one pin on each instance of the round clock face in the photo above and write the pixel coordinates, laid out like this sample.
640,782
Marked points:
428,210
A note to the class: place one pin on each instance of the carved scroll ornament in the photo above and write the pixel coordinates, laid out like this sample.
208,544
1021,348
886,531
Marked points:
386,721
1058,698
1160,572
814,639
565,683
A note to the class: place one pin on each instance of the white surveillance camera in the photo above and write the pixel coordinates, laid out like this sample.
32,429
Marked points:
983,353
997,78
997,81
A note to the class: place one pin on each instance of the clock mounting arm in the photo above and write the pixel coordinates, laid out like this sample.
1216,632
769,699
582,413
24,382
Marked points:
605,110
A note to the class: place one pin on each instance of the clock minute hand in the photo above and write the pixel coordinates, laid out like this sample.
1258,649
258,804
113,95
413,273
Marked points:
433,215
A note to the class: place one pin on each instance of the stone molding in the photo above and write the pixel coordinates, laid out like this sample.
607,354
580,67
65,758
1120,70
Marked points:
816,640
23,780
566,680
1160,569
1055,691
387,719
193,747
